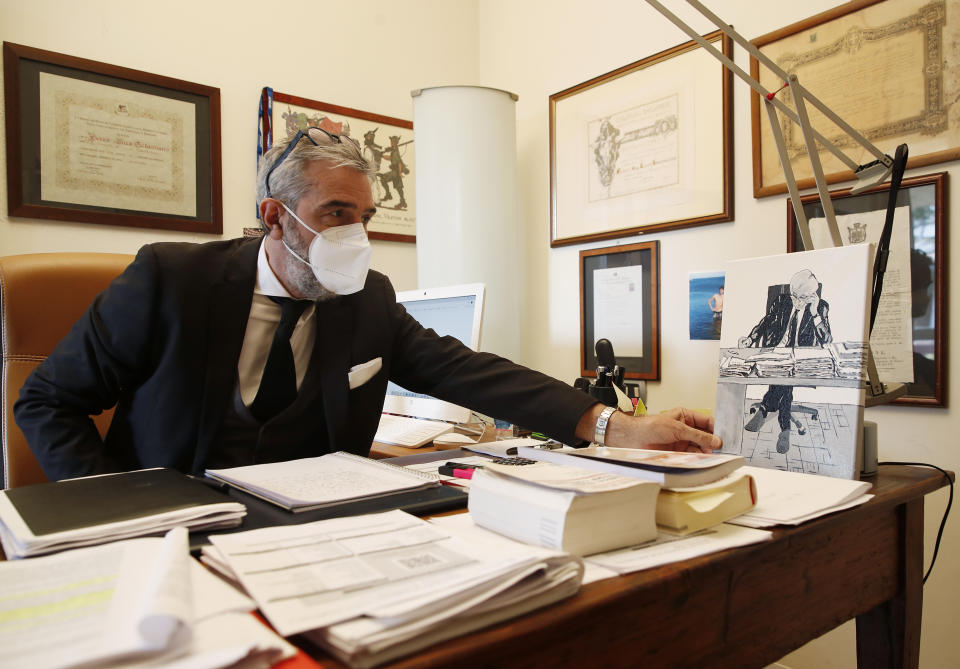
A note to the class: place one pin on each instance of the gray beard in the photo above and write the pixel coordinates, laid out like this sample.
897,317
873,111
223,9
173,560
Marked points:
300,274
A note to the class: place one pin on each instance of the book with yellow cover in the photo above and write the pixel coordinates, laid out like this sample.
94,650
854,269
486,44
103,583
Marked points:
686,510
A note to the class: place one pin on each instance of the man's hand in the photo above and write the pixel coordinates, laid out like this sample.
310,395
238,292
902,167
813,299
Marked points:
813,303
675,430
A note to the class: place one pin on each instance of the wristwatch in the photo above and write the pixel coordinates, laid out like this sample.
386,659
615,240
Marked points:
601,430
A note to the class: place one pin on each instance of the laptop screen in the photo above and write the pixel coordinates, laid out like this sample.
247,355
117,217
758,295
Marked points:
456,311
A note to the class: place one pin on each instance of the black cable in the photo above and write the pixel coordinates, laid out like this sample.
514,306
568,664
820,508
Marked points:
946,512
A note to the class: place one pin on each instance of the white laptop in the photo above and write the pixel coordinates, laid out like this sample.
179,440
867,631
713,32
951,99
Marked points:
412,419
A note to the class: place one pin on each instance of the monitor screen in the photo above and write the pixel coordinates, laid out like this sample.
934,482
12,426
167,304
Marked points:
456,311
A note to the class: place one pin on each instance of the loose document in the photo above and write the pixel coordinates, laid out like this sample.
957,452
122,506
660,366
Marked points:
140,602
374,587
666,548
792,498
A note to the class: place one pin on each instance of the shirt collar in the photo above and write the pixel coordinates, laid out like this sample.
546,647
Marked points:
267,281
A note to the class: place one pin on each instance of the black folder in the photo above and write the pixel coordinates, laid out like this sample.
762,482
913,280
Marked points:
77,503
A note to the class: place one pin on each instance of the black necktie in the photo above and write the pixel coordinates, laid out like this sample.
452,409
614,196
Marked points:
278,388
792,341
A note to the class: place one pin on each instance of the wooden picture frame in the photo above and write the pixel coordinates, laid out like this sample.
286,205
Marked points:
396,218
646,147
620,301
882,66
928,201
98,143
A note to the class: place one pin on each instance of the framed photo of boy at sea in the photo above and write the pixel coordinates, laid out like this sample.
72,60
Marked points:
385,141
925,197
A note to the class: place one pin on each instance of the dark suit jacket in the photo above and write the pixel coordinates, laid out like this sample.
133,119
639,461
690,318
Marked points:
771,328
162,343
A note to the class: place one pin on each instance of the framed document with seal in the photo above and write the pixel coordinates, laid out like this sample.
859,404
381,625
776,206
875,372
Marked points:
620,302
98,143
646,147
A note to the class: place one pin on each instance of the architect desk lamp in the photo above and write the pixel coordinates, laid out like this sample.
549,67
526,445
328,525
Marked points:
868,175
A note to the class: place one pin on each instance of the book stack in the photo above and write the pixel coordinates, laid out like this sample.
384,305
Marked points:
567,508
689,510
670,469
50,517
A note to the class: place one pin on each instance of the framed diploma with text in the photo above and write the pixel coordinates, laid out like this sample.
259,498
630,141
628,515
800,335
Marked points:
99,143
620,302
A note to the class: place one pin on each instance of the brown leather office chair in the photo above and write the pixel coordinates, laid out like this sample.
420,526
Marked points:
41,296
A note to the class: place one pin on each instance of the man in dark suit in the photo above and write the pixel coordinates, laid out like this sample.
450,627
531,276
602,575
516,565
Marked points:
795,319
185,340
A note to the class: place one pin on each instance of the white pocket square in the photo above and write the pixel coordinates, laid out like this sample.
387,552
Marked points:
360,374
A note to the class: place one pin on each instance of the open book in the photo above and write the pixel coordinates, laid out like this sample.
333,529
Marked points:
670,469
328,480
144,602
48,517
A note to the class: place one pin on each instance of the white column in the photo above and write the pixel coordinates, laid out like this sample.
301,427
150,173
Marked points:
466,194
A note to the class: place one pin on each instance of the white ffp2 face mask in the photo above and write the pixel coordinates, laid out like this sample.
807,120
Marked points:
339,256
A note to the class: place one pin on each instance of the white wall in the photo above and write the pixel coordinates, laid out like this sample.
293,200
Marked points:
533,48
540,47
364,55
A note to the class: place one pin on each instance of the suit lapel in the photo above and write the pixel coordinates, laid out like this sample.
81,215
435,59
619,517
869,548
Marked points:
228,307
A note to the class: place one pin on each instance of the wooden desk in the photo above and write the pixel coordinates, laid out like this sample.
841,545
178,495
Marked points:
746,607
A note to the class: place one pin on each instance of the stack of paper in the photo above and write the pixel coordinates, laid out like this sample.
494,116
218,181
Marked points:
778,363
49,517
374,587
792,498
325,481
851,359
813,363
140,601
734,365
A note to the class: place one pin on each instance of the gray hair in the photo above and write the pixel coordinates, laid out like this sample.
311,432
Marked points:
287,183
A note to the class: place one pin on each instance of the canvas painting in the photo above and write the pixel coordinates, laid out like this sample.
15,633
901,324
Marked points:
706,305
793,349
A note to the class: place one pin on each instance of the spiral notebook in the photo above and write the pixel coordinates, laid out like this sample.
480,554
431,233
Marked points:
325,481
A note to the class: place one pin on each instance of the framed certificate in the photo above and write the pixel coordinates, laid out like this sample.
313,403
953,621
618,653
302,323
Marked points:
99,143
886,67
644,148
620,302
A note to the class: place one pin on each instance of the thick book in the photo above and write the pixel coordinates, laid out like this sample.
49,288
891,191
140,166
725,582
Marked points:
325,481
670,469
686,510
84,511
566,508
